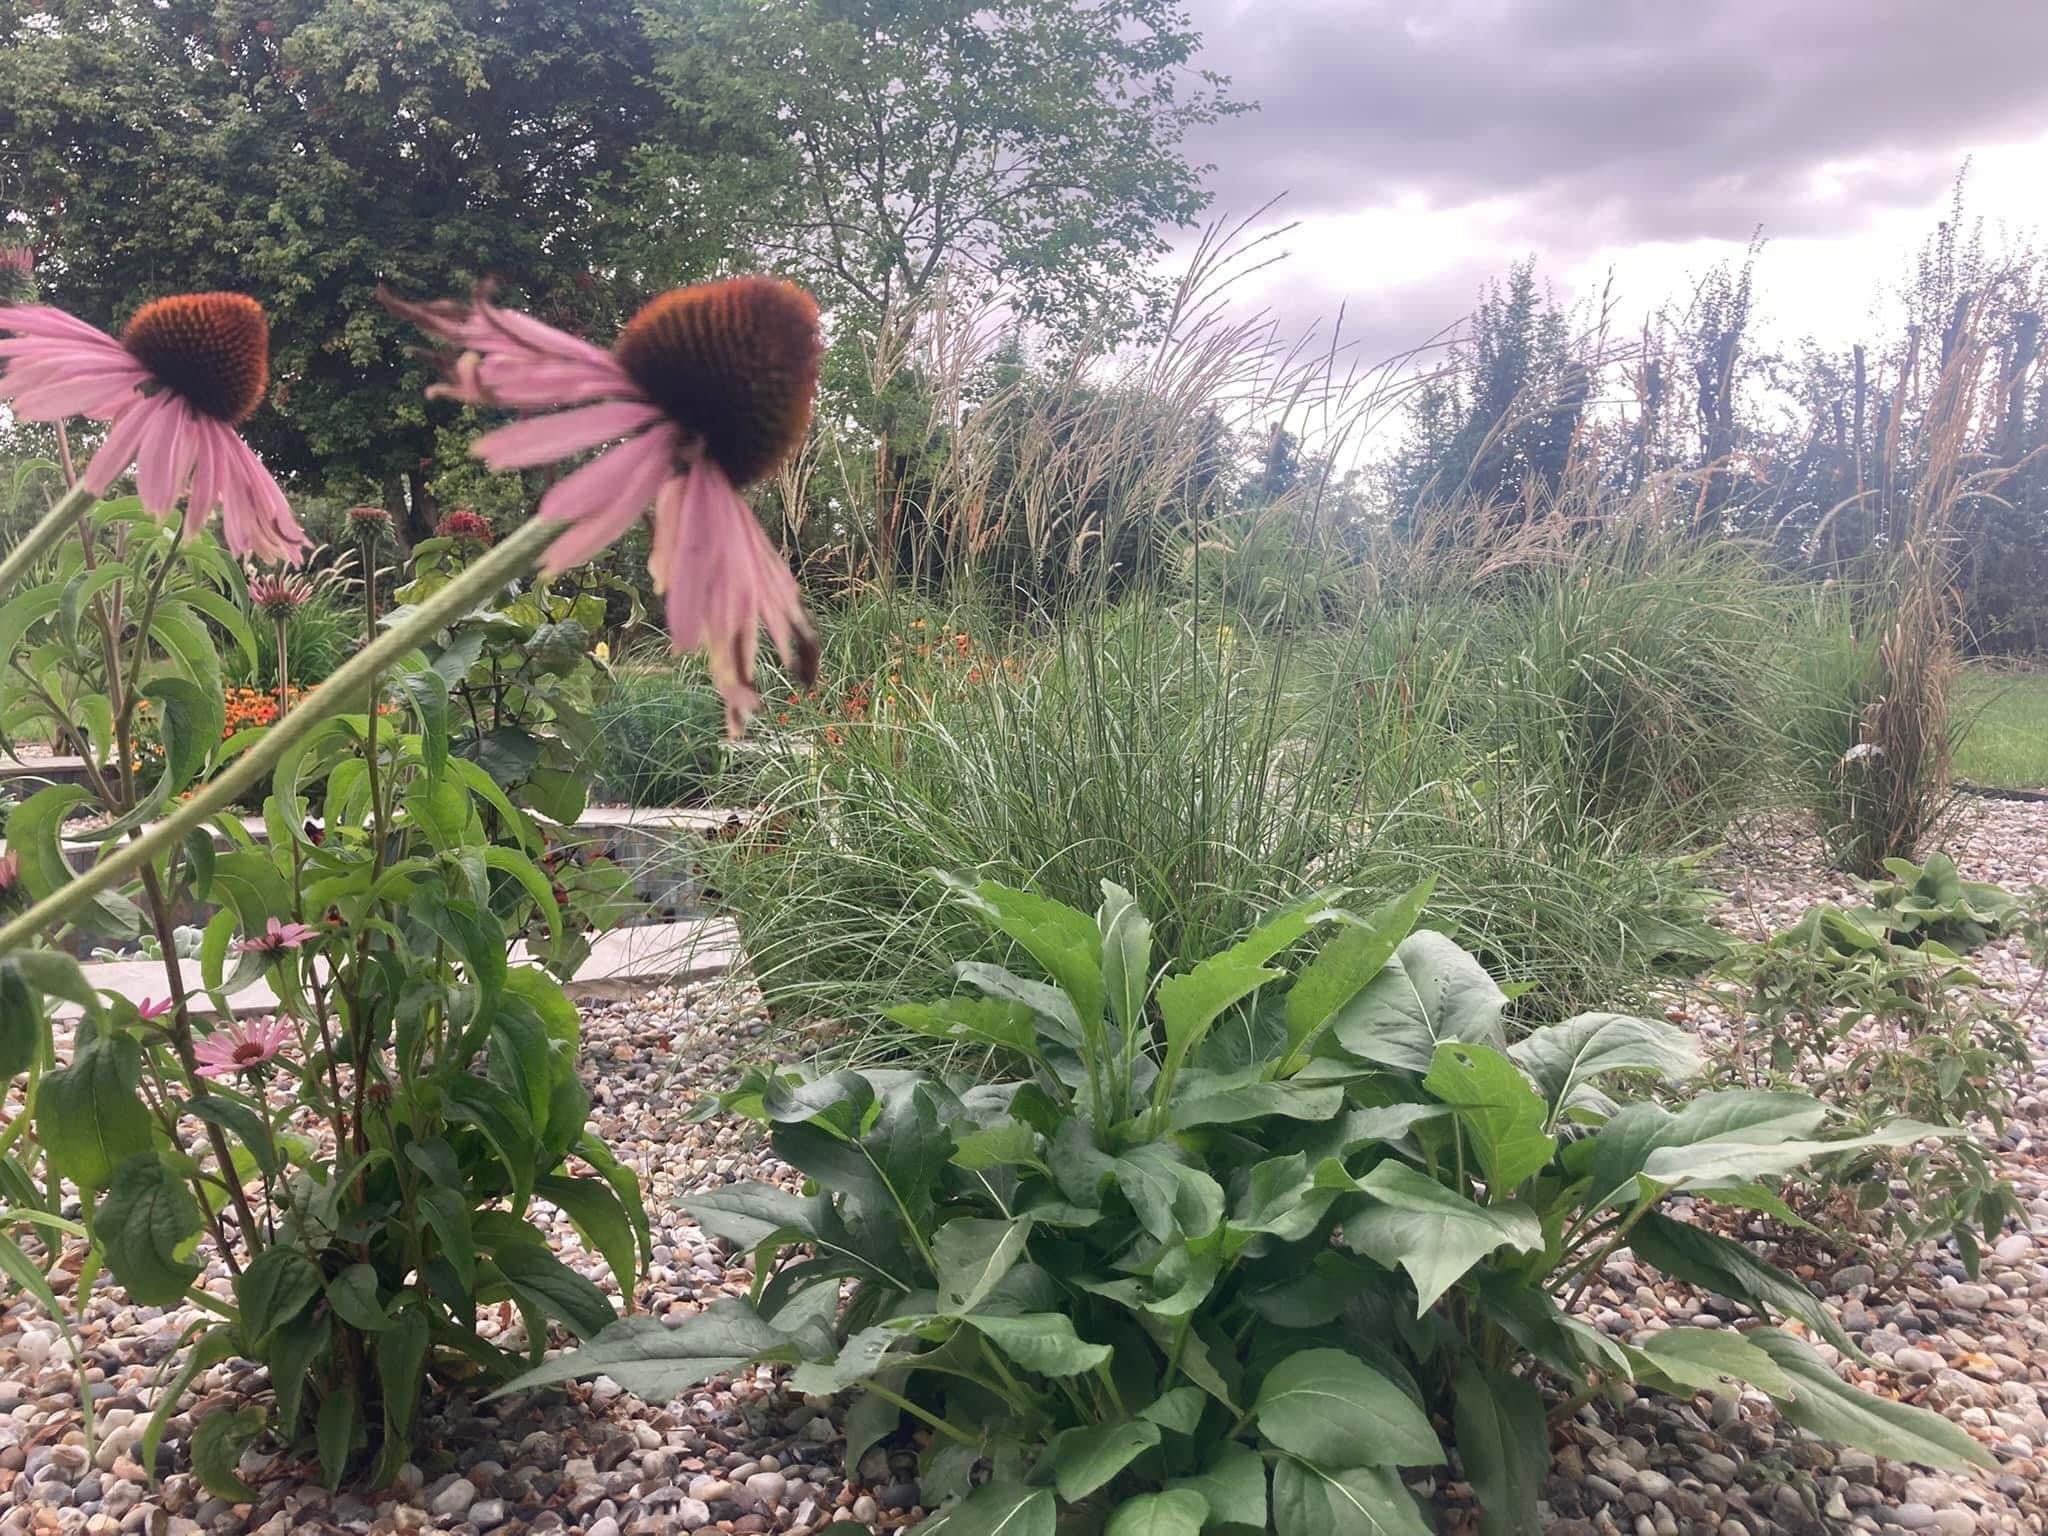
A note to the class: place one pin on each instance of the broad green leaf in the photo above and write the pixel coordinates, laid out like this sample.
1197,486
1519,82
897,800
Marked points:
1429,992
1200,1104
1433,1233
1189,1004
334,1434
983,1020
1233,1485
273,1290
1178,1513
1564,1059
143,1225
658,1363
218,1441
1357,1501
1742,1119
1504,1442
1046,1002
22,1028
189,719
1066,943
1178,1409
353,1295
971,1256
999,1509
1726,1268
1126,954
1700,1359
447,1213
1498,1110
1349,962
594,1207
859,1358
1731,1159
1329,1407
748,1215
294,1350
1040,1341
1167,1194
209,1349
1830,1407
401,1352
539,1280
1087,1457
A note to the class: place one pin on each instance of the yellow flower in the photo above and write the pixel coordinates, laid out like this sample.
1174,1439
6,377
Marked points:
603,651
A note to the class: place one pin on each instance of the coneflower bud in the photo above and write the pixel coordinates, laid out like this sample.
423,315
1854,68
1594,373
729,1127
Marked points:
733,363
466,527
212,349
372,525
278,594
17,274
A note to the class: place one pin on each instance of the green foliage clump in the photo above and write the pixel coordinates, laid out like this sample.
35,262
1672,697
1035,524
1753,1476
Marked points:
659,739
1223,1245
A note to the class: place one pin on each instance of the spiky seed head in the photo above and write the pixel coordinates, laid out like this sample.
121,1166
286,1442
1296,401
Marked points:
465,526
278,594
734,363
370,524
212,348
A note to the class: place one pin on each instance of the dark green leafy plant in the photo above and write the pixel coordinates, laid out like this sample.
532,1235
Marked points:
660,740
1229,1246
1934,901
1864,1008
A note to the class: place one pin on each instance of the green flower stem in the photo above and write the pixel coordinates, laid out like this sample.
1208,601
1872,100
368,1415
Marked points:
508,561
42,538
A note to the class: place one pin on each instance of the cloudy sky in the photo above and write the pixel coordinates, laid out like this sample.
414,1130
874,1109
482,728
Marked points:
1425,144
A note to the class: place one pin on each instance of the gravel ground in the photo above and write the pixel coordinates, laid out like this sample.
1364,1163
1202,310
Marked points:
746,1456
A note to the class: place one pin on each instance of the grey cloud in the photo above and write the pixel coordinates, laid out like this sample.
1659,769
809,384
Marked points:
1613,121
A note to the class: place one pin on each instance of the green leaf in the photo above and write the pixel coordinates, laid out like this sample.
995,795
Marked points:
1066,943
1178,1409
595,1209
1429,992
1433,1233
859,1358
293,1350
1168,1195
1725,1268
1190,1004
190,720
22,1028
333,1435
447,1213
748,1215
1359,1501
983,1020
209,1349
1046,1002
1734,1159
1504,1442
1739,1121
273,1290
1041,1341
538,1279
971,1256
658,1363
1179,1513
1329,1407
1564,1059
1088,1456
1233,1485
1000,1509
218,1441
1700,1359
1828,1406
1349,962
1498,1110
353,1295
1198,1104
1126,954
142,1226
401,1352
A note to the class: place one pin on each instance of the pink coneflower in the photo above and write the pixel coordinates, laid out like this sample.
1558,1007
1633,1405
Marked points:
371,524
278,594
155,1008
236,1048
276,938
710,387
185,373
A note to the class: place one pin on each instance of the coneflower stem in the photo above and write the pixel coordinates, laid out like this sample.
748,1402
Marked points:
507,562
41,539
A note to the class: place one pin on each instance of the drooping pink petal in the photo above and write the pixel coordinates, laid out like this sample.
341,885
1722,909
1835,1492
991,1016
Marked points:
721,581
164,461
542,439
46,320
256,519
131,427
602,499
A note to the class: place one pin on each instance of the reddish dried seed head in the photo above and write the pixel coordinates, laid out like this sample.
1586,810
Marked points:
212,348
734,363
